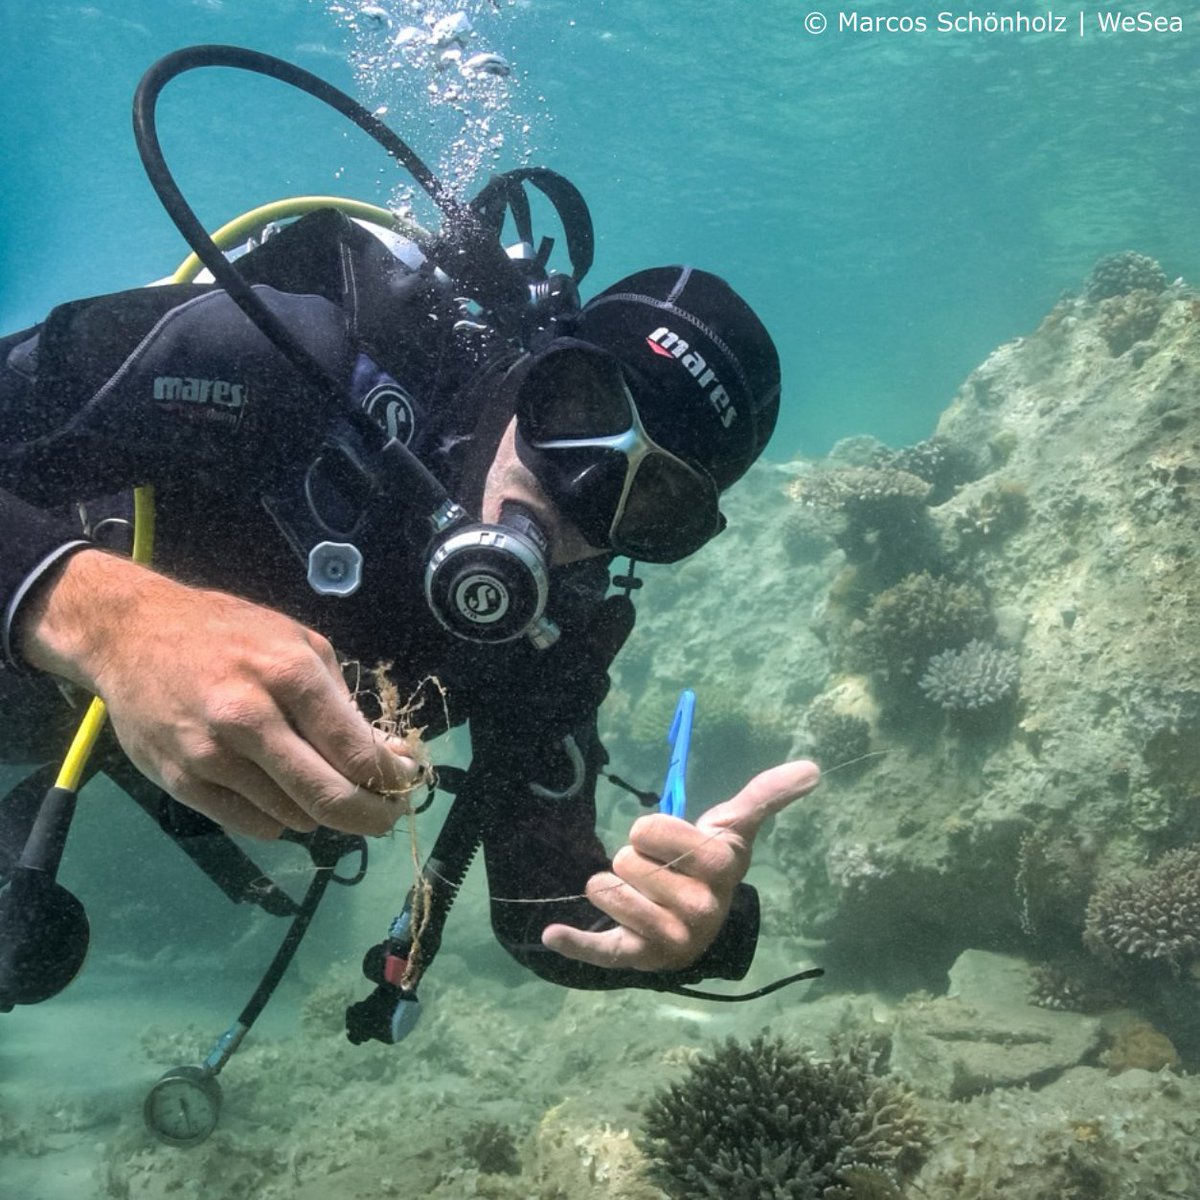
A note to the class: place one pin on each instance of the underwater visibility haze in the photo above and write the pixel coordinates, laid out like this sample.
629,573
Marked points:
963,581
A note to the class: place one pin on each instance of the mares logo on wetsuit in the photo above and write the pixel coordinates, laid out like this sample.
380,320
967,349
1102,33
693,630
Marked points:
202,399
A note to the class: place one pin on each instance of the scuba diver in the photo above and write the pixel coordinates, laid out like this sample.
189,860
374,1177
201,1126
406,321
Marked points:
371,448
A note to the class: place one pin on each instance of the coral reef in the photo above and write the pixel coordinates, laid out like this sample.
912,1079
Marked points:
943,464
1120,274
916,618
896,880
768,1119
879,507
1129,318
836,738
1154,918
977,676
1001,510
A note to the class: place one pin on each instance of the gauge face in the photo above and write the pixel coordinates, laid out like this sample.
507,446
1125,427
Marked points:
182,1107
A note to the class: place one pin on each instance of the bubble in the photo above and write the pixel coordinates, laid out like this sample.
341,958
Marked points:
374,17
448,67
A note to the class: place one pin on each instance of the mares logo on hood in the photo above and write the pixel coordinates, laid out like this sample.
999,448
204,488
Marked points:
668,344
685,336
202,399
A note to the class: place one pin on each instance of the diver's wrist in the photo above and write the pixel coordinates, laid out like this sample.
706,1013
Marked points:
65,627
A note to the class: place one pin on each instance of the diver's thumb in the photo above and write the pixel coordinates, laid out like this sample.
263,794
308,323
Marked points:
766,794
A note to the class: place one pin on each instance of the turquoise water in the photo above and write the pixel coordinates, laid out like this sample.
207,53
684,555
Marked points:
895,204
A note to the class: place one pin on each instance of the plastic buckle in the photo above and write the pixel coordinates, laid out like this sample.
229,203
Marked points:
394,969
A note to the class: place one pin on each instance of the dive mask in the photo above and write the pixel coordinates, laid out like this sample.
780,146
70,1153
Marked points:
580,432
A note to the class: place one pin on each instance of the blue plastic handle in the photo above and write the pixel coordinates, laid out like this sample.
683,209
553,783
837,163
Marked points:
674,798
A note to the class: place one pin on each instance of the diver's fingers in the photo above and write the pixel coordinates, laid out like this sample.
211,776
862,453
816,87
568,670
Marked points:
616,949
322,711
238,777
641,941
227,809
680,874
304,732
685,849
649,936
323,792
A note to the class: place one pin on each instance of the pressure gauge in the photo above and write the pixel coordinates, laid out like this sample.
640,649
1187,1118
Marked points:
182,1108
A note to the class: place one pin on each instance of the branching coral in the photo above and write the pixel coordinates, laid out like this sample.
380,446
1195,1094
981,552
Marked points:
913,620
1153,918
1119,274
1074,987
978,676
766,1119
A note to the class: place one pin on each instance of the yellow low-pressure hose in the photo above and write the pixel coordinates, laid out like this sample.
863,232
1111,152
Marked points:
250,223
70,774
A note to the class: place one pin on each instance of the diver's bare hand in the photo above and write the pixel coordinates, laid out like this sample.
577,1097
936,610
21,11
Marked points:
236,710
671,887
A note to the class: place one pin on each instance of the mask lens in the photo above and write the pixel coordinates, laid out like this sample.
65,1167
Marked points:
579,431
670,511
571,395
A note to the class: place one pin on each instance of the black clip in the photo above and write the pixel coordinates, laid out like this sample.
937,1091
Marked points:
628,582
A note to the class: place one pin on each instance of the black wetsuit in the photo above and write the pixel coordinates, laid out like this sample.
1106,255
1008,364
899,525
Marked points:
174,386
